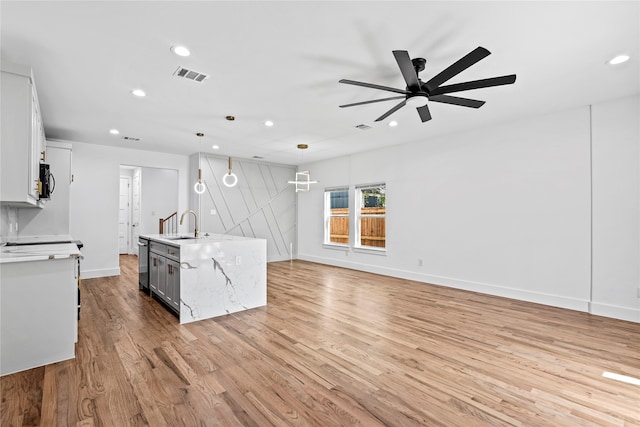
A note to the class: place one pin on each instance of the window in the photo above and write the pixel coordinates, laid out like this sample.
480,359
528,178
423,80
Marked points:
371,210
336,216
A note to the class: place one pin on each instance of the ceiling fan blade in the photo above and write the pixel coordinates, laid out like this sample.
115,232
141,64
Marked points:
407,70
457,67
425,115
372,86
464,102
475,84
391,111
370,102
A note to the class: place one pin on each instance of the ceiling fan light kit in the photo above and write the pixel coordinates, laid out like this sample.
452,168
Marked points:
417,100
417,92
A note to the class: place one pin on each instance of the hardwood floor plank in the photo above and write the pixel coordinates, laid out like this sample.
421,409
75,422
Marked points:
333,347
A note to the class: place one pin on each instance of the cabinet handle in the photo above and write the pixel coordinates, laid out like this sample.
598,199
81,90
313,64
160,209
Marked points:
155,264
170,272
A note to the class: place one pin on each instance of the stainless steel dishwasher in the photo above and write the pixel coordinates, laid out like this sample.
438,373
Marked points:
143,264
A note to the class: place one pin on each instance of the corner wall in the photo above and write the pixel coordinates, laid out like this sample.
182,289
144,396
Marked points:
504,210
616,209
95,197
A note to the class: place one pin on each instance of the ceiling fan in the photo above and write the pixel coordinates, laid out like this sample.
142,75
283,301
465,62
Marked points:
417,92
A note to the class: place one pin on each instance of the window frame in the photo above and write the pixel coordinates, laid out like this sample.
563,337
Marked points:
328,215
358,215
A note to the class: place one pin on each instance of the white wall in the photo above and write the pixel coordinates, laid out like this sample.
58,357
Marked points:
616,209
8,223
94,199
159,195
504,210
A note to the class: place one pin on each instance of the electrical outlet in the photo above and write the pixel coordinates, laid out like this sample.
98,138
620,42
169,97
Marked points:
638,292
420,263
238,260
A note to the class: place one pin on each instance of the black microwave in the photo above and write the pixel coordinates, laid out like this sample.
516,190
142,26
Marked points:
47,182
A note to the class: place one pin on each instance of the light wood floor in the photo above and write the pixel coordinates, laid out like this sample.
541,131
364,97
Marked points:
334,347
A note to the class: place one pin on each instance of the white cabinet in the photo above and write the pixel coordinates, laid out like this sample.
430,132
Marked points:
23,141
38,313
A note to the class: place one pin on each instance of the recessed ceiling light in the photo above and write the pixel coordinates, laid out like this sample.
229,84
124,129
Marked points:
268,123
215,147
393,123
180,50
618,60
114,131
138,92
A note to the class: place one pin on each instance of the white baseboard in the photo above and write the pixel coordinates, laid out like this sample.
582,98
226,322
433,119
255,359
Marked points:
622,313
93,274
278,258
485,288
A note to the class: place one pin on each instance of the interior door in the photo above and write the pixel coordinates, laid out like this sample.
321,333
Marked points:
123,216
135,210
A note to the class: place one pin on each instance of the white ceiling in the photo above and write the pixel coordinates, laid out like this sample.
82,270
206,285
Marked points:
282,61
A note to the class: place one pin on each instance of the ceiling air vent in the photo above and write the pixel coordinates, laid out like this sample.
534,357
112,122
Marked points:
129,138
190,74
363,127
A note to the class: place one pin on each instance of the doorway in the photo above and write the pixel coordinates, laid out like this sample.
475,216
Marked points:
135,210
124,215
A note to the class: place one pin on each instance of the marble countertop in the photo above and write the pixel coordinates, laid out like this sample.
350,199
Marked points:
38,252
189,239
51,238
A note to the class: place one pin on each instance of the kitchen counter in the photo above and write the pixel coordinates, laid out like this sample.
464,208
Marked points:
218,274
38,252
189,239
38,304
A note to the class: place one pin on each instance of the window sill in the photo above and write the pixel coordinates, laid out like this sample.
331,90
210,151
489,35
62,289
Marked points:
374,251
335,246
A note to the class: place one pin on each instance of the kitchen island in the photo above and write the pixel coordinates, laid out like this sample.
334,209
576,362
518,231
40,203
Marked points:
209,276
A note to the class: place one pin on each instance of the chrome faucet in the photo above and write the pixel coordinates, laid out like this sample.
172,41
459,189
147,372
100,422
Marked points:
195,229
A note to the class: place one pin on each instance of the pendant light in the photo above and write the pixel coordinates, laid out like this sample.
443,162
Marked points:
199,186
230,179
303,179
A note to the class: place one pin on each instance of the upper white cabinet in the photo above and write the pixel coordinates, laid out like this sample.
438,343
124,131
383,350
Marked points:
23,141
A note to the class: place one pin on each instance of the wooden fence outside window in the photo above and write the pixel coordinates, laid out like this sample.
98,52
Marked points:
372,229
